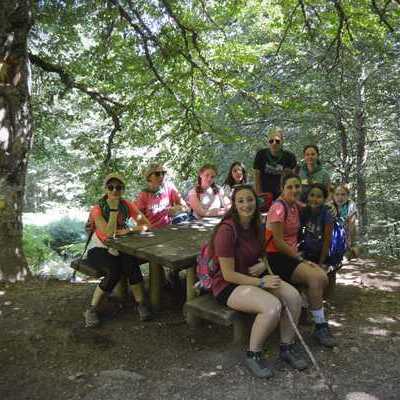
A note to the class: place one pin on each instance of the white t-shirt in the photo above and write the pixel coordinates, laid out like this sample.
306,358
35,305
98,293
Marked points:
208,199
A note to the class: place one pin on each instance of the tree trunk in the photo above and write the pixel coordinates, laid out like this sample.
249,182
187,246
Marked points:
361,134
15,133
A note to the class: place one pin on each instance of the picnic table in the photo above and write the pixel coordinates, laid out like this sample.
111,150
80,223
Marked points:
174,246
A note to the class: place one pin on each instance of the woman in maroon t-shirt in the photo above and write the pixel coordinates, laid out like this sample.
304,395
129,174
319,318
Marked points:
241,283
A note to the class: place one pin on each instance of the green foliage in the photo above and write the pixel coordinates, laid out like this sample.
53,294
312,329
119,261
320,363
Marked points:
36,243
65,231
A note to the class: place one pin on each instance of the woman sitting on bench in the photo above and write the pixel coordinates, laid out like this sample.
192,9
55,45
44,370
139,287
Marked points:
109,218
242,285
283,223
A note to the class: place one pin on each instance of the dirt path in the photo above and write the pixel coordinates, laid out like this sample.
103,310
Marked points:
45,353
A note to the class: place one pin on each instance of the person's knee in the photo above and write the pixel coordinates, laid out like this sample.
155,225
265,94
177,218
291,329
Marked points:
273,309
317,281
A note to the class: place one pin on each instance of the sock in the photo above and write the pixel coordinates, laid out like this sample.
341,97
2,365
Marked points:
253,354
318,316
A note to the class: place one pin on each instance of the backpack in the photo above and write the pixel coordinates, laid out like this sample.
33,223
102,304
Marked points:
311,245
207,266
337,247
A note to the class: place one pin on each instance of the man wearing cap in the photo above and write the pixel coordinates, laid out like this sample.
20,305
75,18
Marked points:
109,217
159,201
270,162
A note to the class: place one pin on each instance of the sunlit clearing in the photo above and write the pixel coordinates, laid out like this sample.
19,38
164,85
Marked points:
382,320
360,396
376,331
208,374
335,323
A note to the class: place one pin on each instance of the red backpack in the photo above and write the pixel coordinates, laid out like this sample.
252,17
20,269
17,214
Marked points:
207,266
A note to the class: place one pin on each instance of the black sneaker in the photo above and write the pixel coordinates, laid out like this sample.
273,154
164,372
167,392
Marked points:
324,336
144,312
258,365
292,356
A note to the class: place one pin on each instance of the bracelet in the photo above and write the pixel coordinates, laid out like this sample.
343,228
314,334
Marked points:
261,284
114,209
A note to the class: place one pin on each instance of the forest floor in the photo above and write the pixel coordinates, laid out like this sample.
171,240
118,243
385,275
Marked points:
46,353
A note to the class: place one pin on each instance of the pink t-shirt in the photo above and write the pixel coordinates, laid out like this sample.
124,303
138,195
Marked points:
233,241
291,224
96,212
155,206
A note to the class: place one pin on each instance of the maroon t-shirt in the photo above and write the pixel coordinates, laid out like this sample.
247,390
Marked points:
243,246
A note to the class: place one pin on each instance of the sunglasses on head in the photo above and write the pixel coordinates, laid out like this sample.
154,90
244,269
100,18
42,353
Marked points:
159,173
277,141
118,188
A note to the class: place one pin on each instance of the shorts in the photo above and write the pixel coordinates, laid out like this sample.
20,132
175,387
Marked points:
223,296
282,265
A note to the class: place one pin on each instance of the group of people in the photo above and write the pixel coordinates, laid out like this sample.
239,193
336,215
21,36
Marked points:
247,249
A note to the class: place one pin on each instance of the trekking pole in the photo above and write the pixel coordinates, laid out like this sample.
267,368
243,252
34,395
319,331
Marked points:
299,335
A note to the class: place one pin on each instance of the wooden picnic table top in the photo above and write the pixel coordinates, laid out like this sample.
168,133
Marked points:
174,246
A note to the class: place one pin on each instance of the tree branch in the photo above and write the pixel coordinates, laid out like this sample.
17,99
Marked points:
111,107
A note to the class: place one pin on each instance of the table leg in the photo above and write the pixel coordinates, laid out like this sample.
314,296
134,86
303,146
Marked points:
190,278
155,285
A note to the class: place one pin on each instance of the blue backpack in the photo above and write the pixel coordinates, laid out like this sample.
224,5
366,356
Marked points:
311,244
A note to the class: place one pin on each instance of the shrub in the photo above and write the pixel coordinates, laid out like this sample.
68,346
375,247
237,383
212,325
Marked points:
66,231
36,243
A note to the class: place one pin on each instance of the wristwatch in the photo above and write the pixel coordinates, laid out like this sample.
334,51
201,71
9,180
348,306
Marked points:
261,284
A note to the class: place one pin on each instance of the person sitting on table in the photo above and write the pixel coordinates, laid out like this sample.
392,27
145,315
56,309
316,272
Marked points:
270,162
281,234
109,218
242,285
207,199
236,176
160,201
312,171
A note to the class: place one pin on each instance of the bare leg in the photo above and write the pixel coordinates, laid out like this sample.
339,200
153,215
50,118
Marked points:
315,280
292,299
253,300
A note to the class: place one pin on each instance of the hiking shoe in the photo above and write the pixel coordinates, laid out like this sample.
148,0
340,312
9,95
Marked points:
258,365
324,336
144,312
292,356
91,318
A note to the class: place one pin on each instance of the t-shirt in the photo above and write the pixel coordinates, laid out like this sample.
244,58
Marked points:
155,205
99,237
291,224
315,223
208,199
319,175
271,174
243,246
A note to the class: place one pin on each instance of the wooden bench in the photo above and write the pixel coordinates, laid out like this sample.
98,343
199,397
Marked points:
206,307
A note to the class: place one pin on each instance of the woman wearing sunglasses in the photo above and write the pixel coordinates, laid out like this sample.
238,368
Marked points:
269,164
109,218
159,201
207,199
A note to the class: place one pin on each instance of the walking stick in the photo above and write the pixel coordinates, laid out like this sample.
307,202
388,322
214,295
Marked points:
299,335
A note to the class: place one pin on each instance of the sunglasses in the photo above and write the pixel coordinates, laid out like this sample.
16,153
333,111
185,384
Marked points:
277,141
159,173
118,188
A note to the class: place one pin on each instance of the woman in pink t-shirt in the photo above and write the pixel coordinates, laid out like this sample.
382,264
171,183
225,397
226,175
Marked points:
283,223
160,201
241,282
109,218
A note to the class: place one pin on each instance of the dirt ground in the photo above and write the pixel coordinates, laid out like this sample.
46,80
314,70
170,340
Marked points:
46,353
